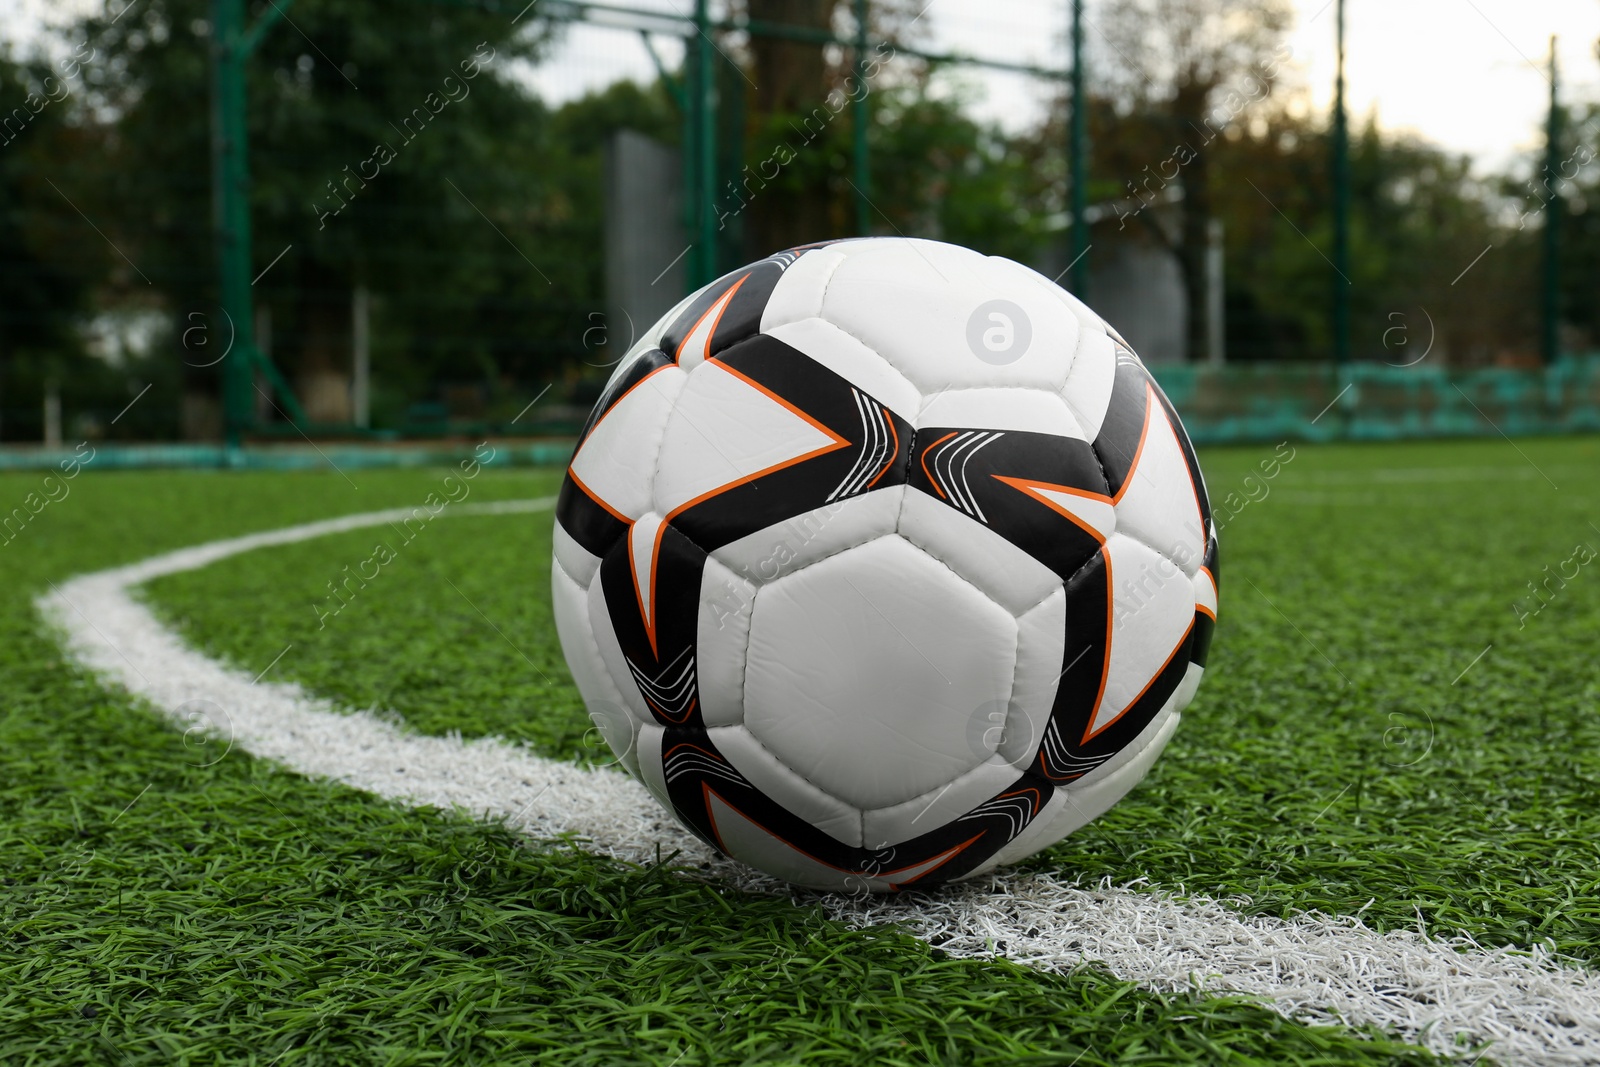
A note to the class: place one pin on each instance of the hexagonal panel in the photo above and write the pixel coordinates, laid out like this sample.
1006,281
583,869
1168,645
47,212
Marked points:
1033,410
921,305
1003,571
865,668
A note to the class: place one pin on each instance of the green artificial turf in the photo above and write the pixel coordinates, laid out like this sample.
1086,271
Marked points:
1332,760
158,910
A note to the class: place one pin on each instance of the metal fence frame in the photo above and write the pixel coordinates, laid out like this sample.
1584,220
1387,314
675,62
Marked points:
233,42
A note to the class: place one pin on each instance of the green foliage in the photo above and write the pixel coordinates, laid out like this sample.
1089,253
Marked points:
472,210
1577,179
50,257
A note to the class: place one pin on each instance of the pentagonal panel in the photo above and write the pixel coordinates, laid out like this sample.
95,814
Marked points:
948,317
864,670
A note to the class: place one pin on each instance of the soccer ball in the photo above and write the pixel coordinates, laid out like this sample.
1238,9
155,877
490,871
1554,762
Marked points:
882,562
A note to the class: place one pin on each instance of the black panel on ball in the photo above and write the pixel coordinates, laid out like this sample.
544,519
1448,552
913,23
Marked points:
869,461
1122,429
968,469
741,318
663,668
693,768
587,520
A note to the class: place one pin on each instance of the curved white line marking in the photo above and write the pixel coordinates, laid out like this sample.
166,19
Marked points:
1535,1008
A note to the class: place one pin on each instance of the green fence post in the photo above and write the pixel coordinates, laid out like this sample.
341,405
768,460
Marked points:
231,213
1078,246
705,192
1550,302
1341,207
859,119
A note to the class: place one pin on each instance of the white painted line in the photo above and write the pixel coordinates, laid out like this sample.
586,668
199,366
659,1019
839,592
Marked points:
1536,1008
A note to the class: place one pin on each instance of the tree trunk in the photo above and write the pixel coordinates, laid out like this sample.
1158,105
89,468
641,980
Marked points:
791,79
322,372
1189,112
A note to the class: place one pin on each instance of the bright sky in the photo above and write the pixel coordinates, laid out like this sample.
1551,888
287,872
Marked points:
1469,75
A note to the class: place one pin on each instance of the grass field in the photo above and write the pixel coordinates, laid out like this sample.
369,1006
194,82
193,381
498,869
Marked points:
1381,733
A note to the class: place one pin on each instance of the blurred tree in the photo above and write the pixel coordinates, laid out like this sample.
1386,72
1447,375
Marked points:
1419,218
937,173
1200,65
1578,184
788,79
391,148
50,258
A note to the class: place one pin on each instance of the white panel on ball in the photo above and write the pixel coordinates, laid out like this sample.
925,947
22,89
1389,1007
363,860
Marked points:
725,430
720,643
912,818
580,563
746,841
1008,575
606,706
864,670
615,461
1041,633
1089,381
1205,592
651,772
927,307
774,778
1159,505
798,294
1030,410
1152,609
853,361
